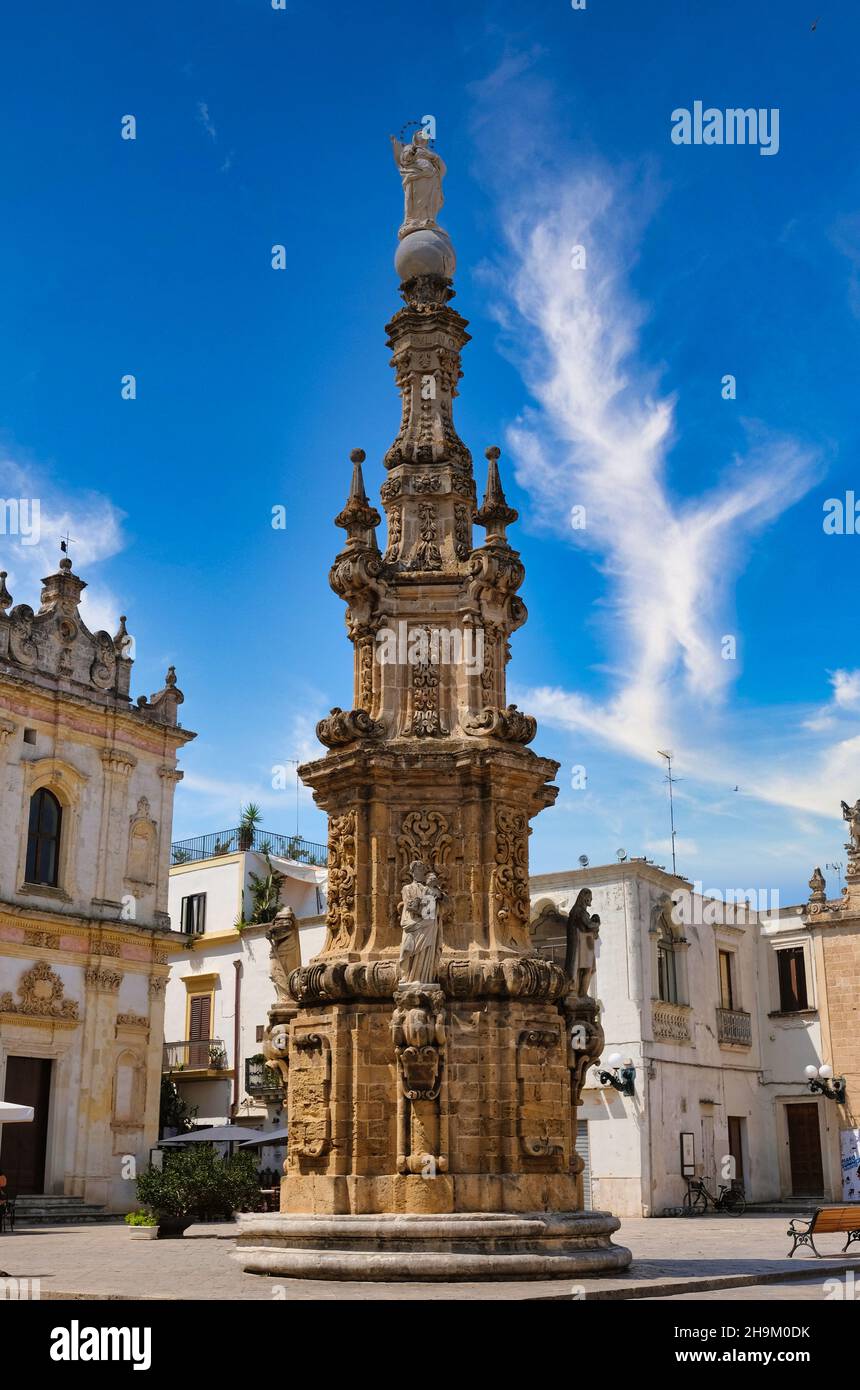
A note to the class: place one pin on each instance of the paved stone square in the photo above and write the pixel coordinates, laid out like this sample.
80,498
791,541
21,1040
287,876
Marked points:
708,1257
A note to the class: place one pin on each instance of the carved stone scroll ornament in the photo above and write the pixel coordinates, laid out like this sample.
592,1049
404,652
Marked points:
585,1043
462,531
461,977
103,668
510,877
41,994
427,553
21,645
341,727
418,1034
395,535
340,910
424,835
509,724
107,980
426,720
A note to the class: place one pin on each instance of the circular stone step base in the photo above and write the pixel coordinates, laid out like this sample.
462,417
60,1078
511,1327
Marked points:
457,1246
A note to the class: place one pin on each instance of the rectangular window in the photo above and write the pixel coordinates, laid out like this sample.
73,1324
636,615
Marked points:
727,991
194,914
791,967
199,1029
667,975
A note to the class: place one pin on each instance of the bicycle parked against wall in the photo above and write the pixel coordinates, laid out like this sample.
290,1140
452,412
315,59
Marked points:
699,1198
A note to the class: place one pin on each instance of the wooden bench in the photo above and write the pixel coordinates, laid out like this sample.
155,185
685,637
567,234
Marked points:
824,1219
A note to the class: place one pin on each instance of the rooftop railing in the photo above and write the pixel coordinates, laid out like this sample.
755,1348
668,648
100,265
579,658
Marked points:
263,841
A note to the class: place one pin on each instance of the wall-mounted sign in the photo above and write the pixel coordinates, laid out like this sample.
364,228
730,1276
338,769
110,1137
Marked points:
688,1155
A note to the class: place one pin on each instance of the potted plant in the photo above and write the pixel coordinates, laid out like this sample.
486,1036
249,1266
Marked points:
195,1184
217,1056
142,1224
251,817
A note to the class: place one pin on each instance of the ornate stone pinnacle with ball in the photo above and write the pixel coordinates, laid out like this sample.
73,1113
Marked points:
435,1062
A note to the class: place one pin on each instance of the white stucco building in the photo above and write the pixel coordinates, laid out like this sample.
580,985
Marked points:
220,989
715,1003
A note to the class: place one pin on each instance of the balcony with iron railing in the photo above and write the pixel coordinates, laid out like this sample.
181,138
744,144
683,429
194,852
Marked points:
200,1056
263,841
261,1080
734,1028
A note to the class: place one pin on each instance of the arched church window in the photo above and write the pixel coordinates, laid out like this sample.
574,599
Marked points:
43,840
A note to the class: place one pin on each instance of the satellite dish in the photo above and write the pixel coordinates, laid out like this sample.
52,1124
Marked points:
583,861
621,855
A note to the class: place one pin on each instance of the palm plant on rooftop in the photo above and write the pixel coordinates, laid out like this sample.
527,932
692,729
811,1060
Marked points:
250,818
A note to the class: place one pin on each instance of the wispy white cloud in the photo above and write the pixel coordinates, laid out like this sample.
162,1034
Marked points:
205,120
90,519
599,438
599,435
845,699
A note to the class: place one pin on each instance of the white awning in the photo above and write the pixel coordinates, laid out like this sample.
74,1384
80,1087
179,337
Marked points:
15,1114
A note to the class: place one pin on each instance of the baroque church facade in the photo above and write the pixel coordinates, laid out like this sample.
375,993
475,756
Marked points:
87,783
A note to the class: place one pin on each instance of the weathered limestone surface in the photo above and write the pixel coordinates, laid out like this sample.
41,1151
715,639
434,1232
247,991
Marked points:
447,1098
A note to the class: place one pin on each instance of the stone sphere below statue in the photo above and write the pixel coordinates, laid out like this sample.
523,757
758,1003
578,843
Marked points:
425,253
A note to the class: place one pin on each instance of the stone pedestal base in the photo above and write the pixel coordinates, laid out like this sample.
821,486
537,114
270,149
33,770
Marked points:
455,1246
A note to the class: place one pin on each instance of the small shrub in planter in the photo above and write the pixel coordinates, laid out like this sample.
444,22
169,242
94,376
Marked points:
197,1185
143,1225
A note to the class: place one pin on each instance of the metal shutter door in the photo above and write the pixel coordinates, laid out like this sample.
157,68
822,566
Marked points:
582,1148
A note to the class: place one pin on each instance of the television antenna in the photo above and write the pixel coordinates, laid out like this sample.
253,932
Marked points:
294,762
621,855
667,754
837,869
583,861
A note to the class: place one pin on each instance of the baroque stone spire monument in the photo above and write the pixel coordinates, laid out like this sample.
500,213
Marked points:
434,1064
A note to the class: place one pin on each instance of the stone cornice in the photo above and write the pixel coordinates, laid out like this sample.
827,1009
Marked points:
38,704
74,924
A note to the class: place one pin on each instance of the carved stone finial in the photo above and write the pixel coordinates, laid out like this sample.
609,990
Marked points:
61,592
121,640
358,518
494,512
163,705
818,887
5,596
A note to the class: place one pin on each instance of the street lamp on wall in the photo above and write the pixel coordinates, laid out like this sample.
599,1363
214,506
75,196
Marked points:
623,1074
821,1079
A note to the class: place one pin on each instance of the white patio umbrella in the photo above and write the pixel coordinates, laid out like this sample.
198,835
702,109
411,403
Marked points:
217,1134
272,1136
15,1114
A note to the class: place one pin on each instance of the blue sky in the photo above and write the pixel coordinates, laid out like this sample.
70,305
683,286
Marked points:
602,386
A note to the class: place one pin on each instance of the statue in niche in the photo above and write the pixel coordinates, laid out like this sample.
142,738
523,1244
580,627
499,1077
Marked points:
421,172
421,927
580,956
